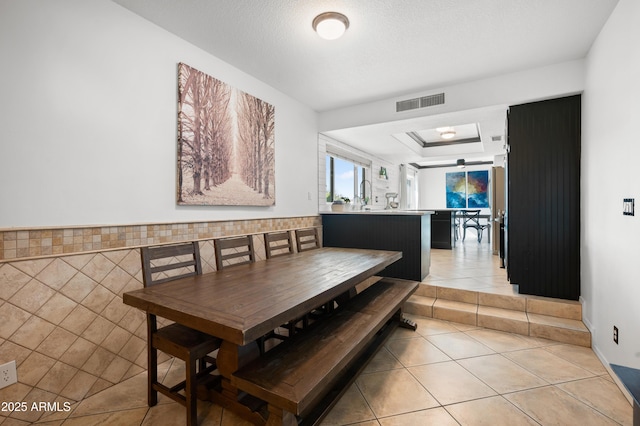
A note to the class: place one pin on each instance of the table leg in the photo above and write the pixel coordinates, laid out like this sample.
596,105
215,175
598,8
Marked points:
228,363
226,395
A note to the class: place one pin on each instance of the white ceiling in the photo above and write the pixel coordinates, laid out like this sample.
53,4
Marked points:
391,48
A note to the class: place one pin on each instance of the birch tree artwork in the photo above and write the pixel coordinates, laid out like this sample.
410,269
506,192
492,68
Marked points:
226,143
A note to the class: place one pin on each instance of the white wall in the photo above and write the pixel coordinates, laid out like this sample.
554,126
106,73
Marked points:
503,90
88,117
610,154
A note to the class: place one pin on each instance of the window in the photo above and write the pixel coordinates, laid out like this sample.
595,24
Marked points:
344,179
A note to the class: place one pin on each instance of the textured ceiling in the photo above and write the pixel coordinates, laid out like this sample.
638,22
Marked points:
392,47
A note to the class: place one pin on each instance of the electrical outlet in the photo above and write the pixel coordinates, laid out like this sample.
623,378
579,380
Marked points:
615,334
628,206
8,375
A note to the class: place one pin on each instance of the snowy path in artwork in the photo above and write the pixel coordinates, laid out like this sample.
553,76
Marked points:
232,192
235,191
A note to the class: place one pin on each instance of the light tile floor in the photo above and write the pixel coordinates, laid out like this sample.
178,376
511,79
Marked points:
442,374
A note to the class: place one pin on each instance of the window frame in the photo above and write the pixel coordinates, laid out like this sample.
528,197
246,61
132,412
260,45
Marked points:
360,170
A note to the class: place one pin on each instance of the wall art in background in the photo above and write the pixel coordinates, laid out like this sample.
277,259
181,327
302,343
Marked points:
477,184
456,190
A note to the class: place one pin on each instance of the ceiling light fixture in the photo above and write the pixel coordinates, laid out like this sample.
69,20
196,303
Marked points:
448,134
460,163
330,25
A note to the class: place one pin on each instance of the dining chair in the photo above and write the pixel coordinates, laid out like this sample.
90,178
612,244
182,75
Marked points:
457,223
471,219
162,264
307,239
234,251
278,244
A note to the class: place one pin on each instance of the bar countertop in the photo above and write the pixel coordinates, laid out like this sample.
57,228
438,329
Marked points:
393,212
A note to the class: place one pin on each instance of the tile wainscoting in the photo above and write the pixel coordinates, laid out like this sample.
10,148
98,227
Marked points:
64,322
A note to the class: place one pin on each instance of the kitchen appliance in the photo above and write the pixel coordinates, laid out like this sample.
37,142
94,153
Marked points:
391,200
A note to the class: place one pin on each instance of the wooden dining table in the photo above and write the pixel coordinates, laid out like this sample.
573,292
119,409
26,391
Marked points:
243,303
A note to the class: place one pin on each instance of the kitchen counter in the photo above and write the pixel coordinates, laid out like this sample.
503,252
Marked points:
385,212
408,231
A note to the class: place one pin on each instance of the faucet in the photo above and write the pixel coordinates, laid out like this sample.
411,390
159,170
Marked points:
363,189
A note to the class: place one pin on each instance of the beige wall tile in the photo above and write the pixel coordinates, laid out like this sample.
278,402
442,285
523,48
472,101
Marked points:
32,296
57,343
116,280
9,350
98,299
33,332
78,287
98,267
57,377
98,362
115,310
11,280
34,396
78,353
98,330
133,348
57,308
116,369
116,340
78,320
78,386
57,274
34,368
13,318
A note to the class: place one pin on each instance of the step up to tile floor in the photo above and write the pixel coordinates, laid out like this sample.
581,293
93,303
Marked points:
553,319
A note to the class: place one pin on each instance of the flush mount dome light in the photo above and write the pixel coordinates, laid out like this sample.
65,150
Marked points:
448,134
330,25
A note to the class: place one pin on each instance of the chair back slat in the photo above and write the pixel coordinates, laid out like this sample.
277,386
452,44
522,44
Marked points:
307,239
278,244
171,262
234,251
471,218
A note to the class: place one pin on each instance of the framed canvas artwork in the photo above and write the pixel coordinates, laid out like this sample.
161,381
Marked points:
456,190
477,184
226,144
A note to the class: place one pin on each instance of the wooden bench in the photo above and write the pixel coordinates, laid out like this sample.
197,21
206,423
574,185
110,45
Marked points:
303,377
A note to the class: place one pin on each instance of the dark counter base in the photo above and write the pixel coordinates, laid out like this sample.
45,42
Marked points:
410,234
441,230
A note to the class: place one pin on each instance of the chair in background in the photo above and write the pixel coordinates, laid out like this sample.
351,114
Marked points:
278,244
471,219
457,223
234,251
162,264
307,239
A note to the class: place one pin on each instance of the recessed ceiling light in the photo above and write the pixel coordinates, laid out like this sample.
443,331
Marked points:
448,134
330,25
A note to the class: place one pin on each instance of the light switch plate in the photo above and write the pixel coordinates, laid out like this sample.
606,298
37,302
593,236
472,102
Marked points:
628,206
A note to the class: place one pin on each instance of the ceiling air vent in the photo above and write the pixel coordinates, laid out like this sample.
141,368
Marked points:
425,101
